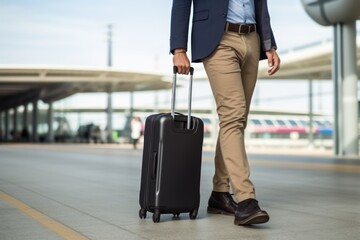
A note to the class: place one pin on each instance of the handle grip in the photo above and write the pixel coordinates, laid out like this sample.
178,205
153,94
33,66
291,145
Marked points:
175,70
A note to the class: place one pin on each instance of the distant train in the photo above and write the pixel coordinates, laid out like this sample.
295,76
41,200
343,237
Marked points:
289,127
278,126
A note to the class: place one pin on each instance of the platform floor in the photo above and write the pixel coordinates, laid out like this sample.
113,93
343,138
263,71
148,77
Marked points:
91,192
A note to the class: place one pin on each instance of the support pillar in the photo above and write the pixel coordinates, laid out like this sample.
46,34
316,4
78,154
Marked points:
131,113
311,114
337,73
345,74
35,136
15,125
109,117
25,122
6,130
25,125
50,114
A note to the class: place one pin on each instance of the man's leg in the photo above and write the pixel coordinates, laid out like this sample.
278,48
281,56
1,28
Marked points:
224,69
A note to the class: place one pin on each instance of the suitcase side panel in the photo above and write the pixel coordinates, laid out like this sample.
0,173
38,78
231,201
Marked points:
149,161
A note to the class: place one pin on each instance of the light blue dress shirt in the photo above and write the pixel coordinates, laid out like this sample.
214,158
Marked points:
241,11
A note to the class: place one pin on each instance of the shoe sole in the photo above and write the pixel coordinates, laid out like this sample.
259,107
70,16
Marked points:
257,218
218,211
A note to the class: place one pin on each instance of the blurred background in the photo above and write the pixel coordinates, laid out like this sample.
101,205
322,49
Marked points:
46,41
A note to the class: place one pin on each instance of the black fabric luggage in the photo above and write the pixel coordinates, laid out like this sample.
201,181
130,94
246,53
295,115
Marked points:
171,164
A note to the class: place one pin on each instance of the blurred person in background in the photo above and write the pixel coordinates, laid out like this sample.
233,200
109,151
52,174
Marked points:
136,130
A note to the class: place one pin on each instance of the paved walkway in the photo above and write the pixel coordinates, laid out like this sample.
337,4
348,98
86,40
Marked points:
91,192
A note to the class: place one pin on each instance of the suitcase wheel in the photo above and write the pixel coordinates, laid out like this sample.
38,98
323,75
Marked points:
156,216
193,213
142,213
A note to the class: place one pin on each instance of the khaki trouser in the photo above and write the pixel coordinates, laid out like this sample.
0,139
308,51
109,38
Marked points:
232,72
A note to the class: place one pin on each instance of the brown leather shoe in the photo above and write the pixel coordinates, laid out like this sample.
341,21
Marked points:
248,212
221,203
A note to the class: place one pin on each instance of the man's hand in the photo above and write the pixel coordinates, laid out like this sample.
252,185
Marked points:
181,61
273,61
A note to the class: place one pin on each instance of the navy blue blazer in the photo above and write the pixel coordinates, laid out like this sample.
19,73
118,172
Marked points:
208,24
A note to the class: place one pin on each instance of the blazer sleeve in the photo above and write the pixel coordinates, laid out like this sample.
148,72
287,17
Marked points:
179,26
268,35
265,30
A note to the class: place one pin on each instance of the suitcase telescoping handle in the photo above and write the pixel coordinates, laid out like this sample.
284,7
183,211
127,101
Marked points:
174,95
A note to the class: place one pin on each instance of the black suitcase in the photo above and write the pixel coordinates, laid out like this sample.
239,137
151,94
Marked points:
171,164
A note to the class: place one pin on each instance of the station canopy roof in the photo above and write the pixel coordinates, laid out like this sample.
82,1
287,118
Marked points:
23,84
312,61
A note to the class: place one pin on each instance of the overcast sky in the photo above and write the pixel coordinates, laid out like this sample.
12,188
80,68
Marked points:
74,33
